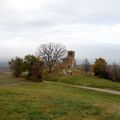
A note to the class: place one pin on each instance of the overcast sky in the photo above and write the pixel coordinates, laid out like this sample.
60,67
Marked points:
90,27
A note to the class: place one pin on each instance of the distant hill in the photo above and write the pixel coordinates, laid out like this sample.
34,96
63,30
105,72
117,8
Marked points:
4,66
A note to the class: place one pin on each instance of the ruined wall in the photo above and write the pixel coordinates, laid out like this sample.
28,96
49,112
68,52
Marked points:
69,61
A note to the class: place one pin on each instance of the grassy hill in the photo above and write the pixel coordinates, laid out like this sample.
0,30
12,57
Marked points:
90,81
23,100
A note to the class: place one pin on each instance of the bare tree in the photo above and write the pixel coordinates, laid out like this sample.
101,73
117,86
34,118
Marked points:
51,53
116,71
86,66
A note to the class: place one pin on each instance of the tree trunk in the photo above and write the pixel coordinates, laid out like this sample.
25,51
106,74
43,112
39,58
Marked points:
50,70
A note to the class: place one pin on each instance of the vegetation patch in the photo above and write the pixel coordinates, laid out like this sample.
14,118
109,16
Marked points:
50,101
89,80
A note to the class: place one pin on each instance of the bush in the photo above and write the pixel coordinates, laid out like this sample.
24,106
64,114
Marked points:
33,66
16,66
38,71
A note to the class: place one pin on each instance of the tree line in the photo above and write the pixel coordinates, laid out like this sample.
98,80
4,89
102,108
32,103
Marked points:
32,66
102,69
50,55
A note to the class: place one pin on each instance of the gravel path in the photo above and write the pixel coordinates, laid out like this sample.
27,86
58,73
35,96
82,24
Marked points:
89,88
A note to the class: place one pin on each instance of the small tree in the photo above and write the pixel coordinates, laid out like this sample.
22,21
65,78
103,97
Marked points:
86,67
34,66
51,53
29,62
99,67
16,66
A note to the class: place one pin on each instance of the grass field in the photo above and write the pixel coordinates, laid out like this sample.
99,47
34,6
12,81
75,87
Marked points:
90,81
23,100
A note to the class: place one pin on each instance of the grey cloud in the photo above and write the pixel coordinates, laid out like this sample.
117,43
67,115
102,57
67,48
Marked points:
93,11
66,21
62,12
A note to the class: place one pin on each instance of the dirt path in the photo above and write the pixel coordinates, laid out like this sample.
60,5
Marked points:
89,88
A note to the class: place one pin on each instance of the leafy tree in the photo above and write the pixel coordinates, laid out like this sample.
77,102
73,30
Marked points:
34,66
51,53
99,67
16,66
37,71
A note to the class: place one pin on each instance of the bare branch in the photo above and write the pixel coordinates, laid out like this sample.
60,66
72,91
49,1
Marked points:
51,53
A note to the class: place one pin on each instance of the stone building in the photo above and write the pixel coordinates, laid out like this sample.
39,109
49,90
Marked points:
69,61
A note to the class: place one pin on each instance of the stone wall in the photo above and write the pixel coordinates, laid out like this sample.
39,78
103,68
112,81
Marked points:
69,61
